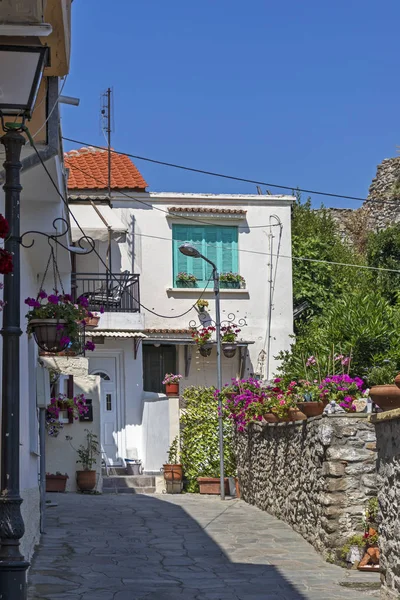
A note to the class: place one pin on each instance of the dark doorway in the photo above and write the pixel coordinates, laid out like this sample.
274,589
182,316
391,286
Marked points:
157,361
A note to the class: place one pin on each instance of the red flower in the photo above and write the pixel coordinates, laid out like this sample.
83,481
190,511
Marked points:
6,265
4,228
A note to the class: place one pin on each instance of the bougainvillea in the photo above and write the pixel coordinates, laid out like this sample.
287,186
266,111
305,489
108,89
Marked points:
76,407
6,263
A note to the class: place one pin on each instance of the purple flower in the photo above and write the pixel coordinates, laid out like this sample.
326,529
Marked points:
53,299
60,327
67,297
90,346
42,294
101,310
32,302
65,341
83,301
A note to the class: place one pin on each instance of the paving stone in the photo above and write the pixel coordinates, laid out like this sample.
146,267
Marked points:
170,547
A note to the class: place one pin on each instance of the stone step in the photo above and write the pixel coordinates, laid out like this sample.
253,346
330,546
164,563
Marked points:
113,471
125,484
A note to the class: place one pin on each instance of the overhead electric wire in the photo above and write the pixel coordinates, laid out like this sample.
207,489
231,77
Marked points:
232,177
98,255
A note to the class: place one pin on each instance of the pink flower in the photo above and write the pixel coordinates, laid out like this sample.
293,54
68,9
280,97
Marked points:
282,402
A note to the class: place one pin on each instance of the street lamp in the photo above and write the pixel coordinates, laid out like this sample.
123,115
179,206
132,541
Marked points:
21,68
189,250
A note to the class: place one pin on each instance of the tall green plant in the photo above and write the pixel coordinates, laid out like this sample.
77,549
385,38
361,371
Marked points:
200,439
383,250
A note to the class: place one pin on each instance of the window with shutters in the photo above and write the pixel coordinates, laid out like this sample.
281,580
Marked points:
217,242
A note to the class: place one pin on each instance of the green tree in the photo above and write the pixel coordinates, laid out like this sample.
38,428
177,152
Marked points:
383,250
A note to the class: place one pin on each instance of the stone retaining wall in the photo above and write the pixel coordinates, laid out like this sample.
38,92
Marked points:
315,475
387,425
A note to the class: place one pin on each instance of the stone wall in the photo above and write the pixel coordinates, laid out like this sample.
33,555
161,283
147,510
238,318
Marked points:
387,425
315,475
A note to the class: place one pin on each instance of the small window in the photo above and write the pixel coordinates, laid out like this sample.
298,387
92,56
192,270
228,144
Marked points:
108,402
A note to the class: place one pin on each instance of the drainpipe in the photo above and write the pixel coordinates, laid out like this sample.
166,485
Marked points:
42,438
108,255
53,132
271,282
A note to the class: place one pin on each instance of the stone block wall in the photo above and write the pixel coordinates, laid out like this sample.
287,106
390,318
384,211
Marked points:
315,475
387,426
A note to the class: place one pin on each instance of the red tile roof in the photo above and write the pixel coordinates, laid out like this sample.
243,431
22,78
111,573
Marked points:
88,169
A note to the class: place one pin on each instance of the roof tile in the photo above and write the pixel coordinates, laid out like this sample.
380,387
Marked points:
88,169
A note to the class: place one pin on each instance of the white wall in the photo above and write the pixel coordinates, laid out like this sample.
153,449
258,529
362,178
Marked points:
60,453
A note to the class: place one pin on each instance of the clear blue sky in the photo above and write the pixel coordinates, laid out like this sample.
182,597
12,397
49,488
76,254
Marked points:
299,93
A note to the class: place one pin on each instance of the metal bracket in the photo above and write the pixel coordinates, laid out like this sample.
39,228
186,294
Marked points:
188,359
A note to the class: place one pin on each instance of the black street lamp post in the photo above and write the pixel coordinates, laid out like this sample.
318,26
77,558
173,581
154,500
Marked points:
21,70
13,567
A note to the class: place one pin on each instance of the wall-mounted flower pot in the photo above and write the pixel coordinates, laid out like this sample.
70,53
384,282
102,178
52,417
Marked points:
312,409
211,485
173,473
229,350
56,483
186,284
387,397
233,285
86,480
48,334
172,389
205,349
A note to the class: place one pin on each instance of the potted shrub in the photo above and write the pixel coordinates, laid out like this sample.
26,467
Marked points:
86,479
231,280
343,389
56,321
186,280
308,397
229,334
173,470
202,305
171,383
202,338
387,397
56,483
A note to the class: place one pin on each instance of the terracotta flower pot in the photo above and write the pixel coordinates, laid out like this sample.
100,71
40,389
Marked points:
387,397
294,414
270,418
56,483
237,486
173,473
86,480
211,485
172,389
311,409
91,322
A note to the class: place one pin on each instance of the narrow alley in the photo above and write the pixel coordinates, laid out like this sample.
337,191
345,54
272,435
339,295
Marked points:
134,547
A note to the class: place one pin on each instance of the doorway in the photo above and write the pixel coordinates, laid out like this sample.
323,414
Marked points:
106,369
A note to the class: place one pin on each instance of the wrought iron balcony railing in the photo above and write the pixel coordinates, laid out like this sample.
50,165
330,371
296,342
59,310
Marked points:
117,292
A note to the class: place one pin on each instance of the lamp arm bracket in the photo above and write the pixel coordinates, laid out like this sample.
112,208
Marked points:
55,237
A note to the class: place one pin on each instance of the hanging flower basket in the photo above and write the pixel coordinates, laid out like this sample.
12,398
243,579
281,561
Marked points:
49,334
229,350
205,349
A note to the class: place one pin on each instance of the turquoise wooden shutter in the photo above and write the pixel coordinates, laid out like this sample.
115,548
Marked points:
180,234
211,250
229,249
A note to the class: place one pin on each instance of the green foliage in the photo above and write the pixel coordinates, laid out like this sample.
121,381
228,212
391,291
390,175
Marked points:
315,236
372,510
173,452
359,324
355,540
87,452
200,438
383,250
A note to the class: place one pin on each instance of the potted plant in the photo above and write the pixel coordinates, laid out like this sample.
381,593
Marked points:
229,334
186,280
202,338
202,305
56,483
173,470
212,485
231,280
92,319
56,321
343,389
171,383
308,397
387,397
86,479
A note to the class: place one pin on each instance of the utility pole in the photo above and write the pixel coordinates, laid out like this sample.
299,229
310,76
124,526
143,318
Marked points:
106,117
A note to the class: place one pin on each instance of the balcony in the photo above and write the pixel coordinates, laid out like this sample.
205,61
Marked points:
115,293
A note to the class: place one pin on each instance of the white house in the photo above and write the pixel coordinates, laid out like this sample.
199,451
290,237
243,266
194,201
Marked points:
145,330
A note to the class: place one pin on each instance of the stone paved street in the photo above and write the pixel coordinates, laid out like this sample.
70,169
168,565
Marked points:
133,547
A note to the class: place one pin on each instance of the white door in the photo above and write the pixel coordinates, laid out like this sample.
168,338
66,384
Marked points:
106,369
